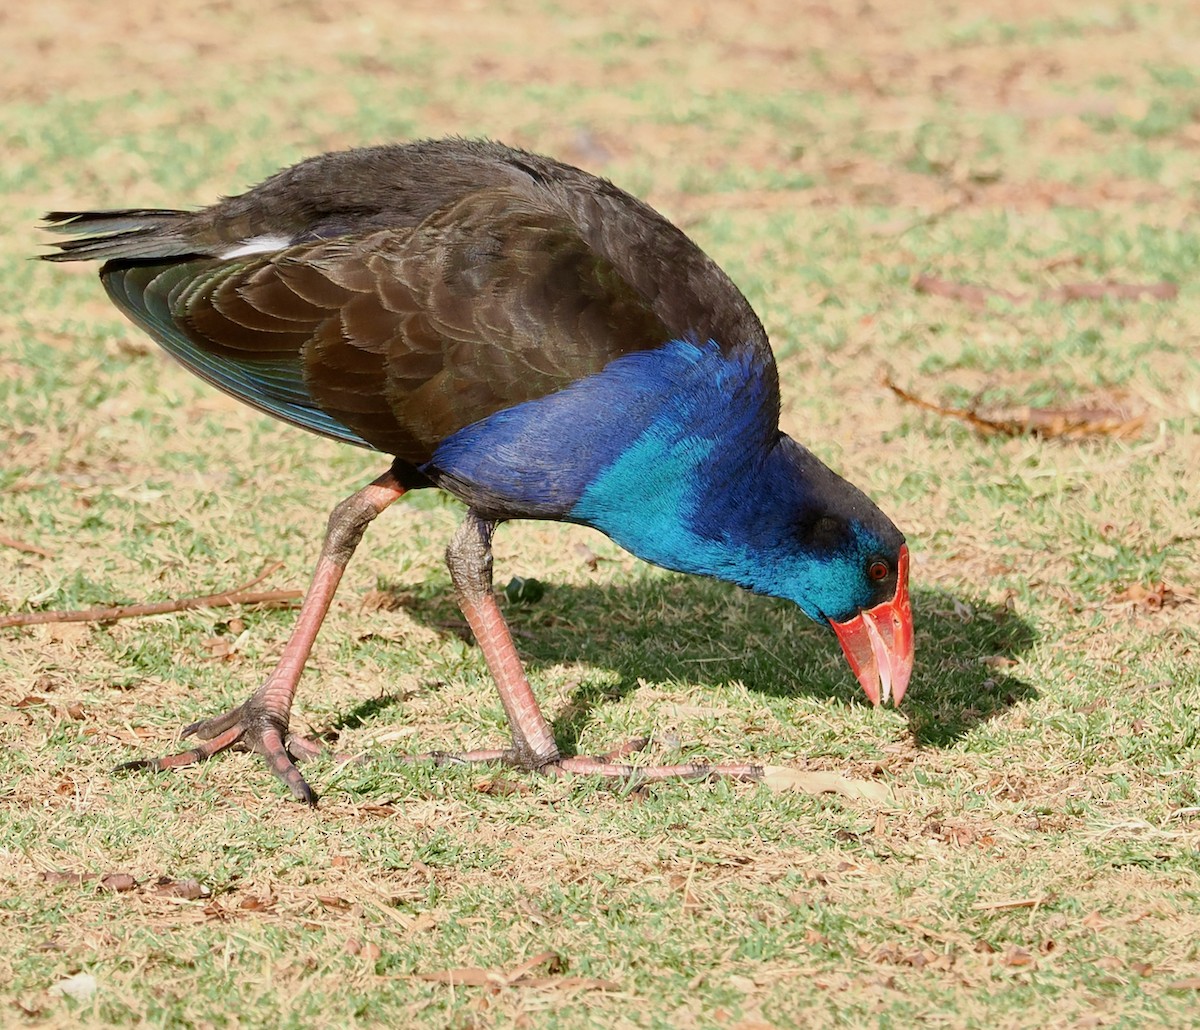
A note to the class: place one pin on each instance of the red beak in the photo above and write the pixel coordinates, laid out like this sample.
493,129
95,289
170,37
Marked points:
878,643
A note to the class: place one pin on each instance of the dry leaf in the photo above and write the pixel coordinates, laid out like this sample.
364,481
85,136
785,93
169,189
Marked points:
20,545
74,879
1188,983
781,778
465,976
383,601
119,882
1153,598
970,294
81,986
567,983
976,296
73,634
380,811
474,976
498,786
1116,290
1010,904
189,890
1017,958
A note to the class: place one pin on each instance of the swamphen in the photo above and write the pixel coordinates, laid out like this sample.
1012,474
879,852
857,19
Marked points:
538,343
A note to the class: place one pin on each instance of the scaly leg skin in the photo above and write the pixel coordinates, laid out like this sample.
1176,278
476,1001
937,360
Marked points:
469,558
261,722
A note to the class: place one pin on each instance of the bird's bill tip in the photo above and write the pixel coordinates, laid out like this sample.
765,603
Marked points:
878,642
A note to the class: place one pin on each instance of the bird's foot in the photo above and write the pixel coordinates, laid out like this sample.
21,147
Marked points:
251,726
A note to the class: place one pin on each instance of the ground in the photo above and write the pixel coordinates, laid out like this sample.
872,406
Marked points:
992,204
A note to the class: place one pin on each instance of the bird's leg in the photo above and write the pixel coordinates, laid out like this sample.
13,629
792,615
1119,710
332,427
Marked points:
261,722
469,558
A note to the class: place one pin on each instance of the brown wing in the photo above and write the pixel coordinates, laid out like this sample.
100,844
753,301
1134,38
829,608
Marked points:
418,288
405,336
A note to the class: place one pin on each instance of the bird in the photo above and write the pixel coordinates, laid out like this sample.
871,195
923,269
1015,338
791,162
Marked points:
538,343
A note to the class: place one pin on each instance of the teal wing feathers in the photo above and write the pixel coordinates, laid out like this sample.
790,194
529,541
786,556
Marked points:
156,297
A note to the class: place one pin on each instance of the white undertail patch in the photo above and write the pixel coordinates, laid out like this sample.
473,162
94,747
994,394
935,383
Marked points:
263,244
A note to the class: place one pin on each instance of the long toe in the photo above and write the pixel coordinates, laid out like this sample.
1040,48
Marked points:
585,766
200,753
206,729
247,727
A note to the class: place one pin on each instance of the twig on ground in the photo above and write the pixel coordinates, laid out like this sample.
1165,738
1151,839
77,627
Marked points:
20,545
976,296
238,595
1099,418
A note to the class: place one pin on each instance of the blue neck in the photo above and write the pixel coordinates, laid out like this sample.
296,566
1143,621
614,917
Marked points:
702,487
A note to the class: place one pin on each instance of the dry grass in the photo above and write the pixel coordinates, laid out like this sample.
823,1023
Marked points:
1043,851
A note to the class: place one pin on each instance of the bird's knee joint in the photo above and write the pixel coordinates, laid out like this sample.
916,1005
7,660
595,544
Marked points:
469,556
347,523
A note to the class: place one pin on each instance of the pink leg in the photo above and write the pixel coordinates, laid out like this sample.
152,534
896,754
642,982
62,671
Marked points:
261,722
469,558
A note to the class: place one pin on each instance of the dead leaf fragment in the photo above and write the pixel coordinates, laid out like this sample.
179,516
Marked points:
519,976
1152,599
20,545
781,778
968,293
976,296
1017,958
1010,904
498,786
1188,983
81,986
1115,290
189,890
383,601
53,876
118,882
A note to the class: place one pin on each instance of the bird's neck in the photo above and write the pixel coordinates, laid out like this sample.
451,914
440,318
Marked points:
693,490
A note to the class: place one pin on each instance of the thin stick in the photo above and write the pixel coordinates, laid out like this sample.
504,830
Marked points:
968,416
20,545
238,595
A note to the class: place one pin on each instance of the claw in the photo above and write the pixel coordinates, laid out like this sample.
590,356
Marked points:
266,741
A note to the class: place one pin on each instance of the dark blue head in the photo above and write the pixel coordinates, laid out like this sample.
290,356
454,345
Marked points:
813,538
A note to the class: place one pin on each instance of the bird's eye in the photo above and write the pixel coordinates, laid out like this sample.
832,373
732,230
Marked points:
878,570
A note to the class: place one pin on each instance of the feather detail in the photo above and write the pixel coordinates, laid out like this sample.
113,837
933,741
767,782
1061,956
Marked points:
267,243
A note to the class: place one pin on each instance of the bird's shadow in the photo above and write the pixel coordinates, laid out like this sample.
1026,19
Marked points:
661,628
